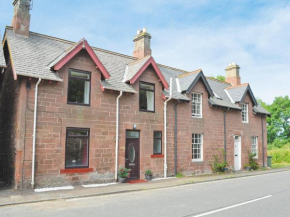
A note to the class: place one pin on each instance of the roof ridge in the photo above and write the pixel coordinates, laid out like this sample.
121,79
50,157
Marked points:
214,79
169,67
138,60
189,73
240,85
72,43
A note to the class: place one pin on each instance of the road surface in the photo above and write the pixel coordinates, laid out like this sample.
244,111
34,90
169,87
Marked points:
263,195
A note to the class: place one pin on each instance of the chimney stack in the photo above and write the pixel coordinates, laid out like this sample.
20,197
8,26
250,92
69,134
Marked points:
142,44
21,17
233,74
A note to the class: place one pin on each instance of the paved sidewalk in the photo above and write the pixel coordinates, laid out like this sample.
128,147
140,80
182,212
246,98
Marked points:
14,197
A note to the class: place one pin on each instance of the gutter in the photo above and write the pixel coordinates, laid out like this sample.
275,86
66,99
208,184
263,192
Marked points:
225,135
117,134
34,134
165,129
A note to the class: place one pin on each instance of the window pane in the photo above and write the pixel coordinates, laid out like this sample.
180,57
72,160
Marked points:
147,100
132,134
157,134
157,146
78,133
196,147
80,75
146,86
77,152
79,91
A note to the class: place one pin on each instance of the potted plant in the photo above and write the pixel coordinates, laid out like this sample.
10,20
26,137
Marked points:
247,167
148,175
123,174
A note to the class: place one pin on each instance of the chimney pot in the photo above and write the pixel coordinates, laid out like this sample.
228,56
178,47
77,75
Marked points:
144,30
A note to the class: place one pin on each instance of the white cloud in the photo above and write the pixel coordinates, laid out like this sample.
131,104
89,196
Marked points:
261,48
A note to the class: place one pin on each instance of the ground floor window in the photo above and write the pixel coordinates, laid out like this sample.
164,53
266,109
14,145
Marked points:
77,148
157,143
197,147
255,146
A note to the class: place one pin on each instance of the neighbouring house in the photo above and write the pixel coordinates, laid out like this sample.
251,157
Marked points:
73,113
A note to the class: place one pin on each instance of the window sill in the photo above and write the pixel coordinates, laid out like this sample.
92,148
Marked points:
197,161
76,170
141,110
196,117
245,122
157,156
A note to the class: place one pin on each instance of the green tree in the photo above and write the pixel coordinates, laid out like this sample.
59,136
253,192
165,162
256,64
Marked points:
219,77
279,122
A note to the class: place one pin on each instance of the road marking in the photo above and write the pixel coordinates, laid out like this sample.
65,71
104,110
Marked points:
233,206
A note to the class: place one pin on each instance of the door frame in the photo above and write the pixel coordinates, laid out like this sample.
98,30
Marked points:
139,145
240,151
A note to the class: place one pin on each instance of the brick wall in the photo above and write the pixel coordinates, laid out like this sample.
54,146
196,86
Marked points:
55,115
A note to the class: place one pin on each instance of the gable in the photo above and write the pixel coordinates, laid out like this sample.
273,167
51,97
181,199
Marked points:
134,70
65,57
188,81
238,93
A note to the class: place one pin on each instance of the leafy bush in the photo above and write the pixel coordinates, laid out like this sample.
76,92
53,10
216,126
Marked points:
252,162
280,155
219,165
179,175
124,172
148,172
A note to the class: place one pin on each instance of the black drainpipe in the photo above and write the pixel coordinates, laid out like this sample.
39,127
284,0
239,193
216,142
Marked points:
175,138
225,134
263,149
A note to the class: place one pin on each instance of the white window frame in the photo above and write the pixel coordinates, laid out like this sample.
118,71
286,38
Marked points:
201,148
244,105
256,141
196,115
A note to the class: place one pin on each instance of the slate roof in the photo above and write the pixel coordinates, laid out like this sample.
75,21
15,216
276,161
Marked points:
259,109
35,56
2,59
133,67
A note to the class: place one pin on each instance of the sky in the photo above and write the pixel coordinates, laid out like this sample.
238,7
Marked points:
189,35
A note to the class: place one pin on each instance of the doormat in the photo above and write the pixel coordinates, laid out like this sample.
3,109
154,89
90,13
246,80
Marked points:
135,181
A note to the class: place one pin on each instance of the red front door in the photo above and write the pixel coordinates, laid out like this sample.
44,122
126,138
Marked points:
132,153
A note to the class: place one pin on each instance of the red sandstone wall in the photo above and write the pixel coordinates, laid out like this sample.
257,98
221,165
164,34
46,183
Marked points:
55,115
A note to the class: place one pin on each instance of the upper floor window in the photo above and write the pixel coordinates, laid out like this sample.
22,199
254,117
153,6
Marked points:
157,143
245,113
146,97
79,85
254,143
77,148
196,105
197,147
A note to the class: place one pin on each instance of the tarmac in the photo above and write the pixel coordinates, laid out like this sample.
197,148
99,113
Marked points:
15,196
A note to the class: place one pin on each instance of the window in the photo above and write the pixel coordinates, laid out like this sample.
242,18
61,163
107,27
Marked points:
245,117
197,147
79,85
157,143
255,145
77,148
196,105
146,97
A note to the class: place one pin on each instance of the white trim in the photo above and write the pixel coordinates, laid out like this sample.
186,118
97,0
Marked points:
98,185
201,95
38,190
257,147
125,74
216,95
247,113
201,148
178,85
229,96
